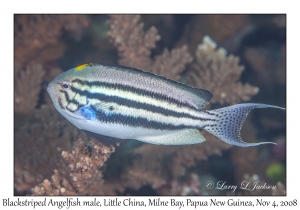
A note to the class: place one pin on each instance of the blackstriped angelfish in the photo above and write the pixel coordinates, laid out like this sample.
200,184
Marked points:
128,103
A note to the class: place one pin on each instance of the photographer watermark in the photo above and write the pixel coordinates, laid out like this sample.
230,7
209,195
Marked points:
245,185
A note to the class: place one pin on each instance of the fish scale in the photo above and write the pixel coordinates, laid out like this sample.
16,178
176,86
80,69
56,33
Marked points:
128,103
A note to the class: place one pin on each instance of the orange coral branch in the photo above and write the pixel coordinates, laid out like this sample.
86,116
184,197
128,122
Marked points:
27,88
134,46
220,74
133,43
33,33
83,164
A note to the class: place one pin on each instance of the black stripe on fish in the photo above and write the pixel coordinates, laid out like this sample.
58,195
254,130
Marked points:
60,103
137,91
136,121
209,113
74,101
135,104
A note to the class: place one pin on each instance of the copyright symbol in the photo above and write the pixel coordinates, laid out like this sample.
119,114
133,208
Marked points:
209,185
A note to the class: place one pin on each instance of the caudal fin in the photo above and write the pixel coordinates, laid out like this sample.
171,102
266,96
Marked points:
229,122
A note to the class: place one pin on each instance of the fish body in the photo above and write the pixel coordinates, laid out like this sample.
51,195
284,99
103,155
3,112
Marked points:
128,103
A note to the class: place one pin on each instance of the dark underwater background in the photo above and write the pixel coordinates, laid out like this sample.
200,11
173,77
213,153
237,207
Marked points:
239,58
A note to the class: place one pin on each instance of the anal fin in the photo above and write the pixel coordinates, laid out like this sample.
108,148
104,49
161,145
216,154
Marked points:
104,139
182,137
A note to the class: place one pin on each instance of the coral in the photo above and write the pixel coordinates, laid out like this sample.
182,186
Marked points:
39,138
269,64
220,74
219,27
191,186
155,165
134,46
48,134
33,35
24,180
171,64
103,187
36,43
58,186
83,164
27,88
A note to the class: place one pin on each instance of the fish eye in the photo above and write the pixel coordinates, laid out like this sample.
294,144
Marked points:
65,85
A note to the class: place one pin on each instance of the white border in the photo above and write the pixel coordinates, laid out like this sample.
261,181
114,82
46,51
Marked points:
154,6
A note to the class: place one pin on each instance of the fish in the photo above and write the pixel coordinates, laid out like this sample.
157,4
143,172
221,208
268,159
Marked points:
128,103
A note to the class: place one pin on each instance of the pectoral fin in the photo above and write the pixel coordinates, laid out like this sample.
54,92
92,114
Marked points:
86,112
182,137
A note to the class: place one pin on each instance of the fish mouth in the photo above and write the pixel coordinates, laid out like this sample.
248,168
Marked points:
48,89
51,88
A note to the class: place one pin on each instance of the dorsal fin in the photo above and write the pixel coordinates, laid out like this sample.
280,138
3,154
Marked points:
200,97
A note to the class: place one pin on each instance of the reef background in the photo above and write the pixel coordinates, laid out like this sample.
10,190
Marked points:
244,60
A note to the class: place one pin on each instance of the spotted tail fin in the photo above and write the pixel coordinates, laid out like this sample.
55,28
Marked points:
229,123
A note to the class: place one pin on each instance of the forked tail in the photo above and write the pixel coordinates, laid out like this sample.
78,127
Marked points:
229,122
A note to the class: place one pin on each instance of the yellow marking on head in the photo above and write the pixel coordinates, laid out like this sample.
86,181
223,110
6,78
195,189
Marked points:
79,68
